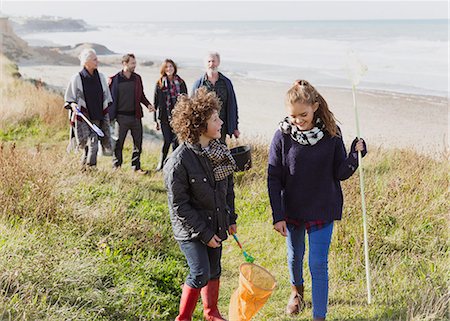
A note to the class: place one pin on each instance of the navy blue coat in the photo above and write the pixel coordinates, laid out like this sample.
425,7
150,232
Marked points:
304,181
231,105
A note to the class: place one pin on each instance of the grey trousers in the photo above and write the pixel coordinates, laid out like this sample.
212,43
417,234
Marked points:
125,123
87,141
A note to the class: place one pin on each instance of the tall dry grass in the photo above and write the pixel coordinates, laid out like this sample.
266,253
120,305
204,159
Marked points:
27,185
22,101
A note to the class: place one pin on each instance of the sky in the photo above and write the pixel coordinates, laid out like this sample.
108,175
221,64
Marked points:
98,11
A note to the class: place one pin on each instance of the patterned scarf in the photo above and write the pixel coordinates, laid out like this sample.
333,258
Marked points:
220,156
172,90
304,137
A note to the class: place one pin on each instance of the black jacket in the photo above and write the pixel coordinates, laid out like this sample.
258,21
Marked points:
159,101
139,95
199,206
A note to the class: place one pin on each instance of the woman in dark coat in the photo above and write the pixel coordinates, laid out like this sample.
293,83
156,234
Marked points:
167,90
199,181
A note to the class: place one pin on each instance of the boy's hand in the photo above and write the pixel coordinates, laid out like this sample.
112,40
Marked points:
281,228
215,242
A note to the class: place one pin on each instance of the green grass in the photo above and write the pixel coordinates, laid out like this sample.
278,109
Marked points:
104,248
102,251
98,245
25,128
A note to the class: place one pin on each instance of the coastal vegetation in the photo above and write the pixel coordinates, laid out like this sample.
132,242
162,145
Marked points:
98,245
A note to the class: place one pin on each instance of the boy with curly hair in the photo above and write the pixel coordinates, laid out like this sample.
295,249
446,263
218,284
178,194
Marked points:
199,180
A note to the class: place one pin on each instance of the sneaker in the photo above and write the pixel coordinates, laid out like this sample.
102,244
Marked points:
141,171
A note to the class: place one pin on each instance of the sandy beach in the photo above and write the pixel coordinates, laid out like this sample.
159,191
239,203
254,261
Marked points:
387,119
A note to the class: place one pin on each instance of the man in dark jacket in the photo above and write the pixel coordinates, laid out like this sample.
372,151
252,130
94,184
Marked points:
128,94
215,81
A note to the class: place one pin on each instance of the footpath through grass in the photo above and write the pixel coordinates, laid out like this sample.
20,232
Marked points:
98,245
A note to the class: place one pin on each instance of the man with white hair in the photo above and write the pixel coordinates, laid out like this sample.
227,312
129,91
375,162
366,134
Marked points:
215,81
89,90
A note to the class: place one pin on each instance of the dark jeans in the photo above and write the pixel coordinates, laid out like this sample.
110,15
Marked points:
125,123
203,261
169,138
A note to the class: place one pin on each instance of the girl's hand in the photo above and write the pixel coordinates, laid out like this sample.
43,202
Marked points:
215,242
157,126
281,228
359,145
232,229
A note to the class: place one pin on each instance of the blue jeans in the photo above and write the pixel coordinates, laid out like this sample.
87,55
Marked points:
319,244
203,262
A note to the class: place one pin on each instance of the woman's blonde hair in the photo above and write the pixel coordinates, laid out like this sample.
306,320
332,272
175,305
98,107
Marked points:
190,115
303,92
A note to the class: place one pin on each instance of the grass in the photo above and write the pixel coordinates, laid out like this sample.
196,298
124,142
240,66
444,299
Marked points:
99,246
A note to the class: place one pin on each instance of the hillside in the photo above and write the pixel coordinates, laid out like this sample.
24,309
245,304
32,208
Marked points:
23,25
18,50
99,246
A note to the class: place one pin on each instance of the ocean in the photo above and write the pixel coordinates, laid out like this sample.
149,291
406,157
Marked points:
406,56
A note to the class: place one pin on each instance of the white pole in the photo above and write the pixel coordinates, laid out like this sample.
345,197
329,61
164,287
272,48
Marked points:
94,127
363,203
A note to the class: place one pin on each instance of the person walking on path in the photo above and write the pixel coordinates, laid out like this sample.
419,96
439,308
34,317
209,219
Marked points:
167,90
127,90
215,81
200,188
88,91
307,161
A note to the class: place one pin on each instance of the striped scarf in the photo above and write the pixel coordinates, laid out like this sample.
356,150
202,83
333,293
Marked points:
172,90
221,159
304,137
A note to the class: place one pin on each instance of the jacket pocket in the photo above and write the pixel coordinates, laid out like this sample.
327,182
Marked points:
200,188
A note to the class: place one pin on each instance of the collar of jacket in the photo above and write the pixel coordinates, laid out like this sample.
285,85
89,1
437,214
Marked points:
132,76
204,162
221,76
196,148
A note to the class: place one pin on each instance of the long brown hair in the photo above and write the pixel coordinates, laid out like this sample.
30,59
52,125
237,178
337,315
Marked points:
162,70
303,92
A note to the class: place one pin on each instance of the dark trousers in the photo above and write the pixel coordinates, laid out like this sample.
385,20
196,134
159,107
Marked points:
125,123
203,261
169,138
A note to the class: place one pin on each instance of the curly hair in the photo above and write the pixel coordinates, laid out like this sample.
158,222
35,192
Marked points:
302,91
190,115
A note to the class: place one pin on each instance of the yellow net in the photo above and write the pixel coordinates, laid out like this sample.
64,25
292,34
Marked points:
256,284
